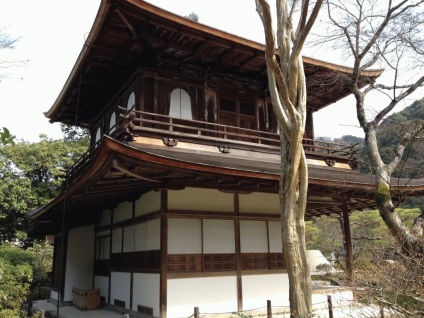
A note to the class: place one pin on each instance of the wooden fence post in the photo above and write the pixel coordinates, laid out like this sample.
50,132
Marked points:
330,307
381,312
196,312
268,309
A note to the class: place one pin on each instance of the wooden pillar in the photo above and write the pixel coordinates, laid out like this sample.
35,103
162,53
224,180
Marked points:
348,240
238,254
164,254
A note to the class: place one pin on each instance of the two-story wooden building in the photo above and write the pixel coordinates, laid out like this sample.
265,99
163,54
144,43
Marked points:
176,204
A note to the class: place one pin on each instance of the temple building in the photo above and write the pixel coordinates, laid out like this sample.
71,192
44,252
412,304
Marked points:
175,205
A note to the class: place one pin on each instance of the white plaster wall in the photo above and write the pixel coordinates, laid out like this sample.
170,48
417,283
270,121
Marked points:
117,240
148,202
184,236
253,237
103,233
103,248
129,239
218,236
54,295
120,287
123,212
275,240
79,260
210,294
146,292
259,203
153,235
106,217
102,283
196,199
257,289
140,236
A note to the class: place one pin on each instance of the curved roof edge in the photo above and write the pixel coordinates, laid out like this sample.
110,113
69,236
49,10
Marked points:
110,148
105,7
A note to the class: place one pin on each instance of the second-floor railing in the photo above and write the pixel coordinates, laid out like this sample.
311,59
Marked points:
151,124
139,123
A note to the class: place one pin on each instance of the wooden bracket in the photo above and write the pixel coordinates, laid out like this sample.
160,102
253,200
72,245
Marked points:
353,164
171,142
330,162
224,149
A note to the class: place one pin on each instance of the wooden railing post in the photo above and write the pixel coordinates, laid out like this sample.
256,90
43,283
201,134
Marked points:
330,307
196,312
268,309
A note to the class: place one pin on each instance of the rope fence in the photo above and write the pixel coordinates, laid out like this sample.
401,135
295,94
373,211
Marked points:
331,308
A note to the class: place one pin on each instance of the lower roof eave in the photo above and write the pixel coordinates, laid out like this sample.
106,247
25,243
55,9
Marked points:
167,165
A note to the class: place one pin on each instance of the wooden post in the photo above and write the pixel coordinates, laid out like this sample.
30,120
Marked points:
268,309
196,312
330,307
381,311
348,240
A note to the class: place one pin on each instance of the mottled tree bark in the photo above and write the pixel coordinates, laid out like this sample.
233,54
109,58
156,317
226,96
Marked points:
287,87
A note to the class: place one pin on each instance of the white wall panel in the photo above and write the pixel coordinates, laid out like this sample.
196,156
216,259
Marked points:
102,283
129,238
210,294
120,287
218,236
140,236
153,235
106,217
79,260
123,212
103,233
146,292
184,236
196,199
257,289
259,203
149,202
275,240
253,237
117,240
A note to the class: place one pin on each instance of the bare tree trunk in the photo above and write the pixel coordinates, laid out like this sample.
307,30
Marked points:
293,235
382,32
287,87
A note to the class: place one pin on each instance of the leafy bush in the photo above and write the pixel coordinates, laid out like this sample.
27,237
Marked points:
19,268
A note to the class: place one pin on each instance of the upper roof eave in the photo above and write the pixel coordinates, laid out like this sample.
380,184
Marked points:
210,32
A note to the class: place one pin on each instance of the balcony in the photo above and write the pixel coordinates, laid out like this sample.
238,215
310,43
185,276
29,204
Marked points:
138,123
135,124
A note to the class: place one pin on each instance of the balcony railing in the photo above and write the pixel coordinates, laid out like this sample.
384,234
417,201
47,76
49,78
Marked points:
151,124
136,123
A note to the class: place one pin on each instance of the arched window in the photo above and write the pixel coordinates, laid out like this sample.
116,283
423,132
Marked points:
98,135
112,123
131,101
180,105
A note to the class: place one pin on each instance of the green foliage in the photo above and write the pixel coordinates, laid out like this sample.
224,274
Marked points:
193,16
31,174
368,232
42,262
6,137
19,269
349,139
15,279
